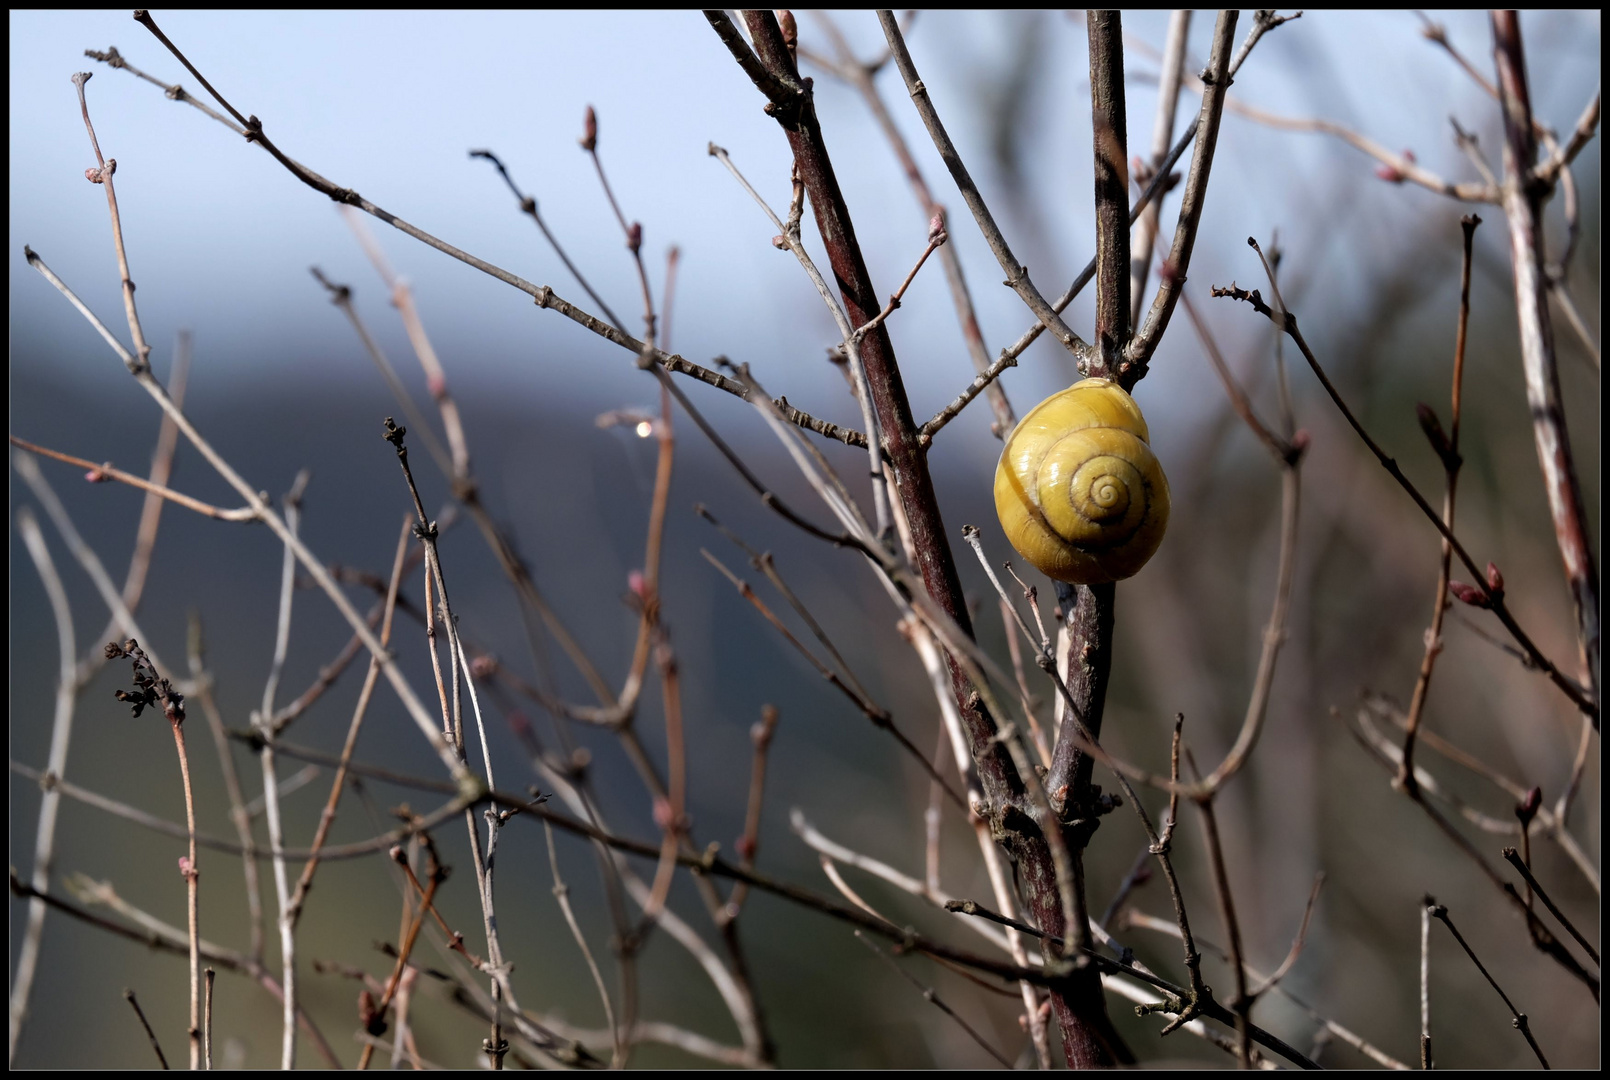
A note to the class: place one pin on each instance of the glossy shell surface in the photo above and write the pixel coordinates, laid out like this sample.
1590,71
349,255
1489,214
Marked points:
1078,490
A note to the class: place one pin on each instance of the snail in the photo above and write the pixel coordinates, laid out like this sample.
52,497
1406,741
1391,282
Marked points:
1078,491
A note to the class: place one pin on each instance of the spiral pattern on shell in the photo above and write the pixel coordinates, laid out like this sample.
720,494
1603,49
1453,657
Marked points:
1078,490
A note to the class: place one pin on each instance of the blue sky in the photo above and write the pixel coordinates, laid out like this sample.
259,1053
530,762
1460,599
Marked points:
221,238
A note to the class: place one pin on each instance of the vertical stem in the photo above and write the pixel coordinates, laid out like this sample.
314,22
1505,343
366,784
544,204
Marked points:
1422,683
1088,612
1241,1005
913,481
192,876
1088,1036
1168,96
1524,195
1425,983
1107,117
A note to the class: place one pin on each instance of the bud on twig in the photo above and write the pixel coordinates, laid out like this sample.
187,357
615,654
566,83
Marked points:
589,138
369,1014
1469,594
1393,175
1495,580
1527,808
1437,437
790,28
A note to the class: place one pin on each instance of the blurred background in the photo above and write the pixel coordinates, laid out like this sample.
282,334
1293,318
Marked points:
220,242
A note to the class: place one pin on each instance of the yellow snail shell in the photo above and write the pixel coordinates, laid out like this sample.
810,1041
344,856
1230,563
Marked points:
1078,490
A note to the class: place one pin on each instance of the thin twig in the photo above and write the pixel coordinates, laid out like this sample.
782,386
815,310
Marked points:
239,815
749,843
1512,857
134,1003
1168,95
104,471
1488,596
1518,1018
853,338
1241,1004
1017,276
155,691
1288,454
1542,938
1447,448
258,502
1554,826
877,714
1217,77
936,239
271,782
1425,982
1296,944
763,561
338,783
860,76
561,892
61,730
1209,1007
934,999
544,296
1137,920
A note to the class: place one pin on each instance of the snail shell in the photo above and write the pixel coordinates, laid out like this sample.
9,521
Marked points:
1078,490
